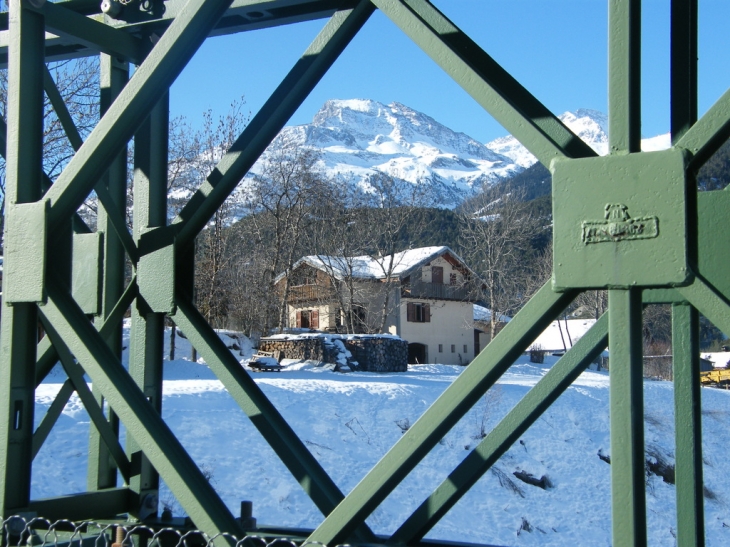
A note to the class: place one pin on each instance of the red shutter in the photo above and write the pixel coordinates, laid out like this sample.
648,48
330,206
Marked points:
299,320
410,312
314,319
426,313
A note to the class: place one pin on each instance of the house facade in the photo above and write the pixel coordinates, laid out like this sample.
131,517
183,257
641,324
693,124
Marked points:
421,295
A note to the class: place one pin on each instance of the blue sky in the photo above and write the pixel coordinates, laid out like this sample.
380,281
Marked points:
555,48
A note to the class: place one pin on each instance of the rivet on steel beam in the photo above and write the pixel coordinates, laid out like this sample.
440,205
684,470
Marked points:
111,7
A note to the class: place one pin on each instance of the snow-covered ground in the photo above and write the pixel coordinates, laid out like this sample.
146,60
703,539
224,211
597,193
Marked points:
349,421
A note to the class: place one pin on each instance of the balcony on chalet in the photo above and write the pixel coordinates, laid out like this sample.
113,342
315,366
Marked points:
308,293
417,288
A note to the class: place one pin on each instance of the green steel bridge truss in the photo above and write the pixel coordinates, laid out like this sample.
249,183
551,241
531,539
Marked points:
630,222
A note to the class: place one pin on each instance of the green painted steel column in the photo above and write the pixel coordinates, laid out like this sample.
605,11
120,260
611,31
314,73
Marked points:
147,328
18,333
685,318
624,76
688,424
102,473
628,501
683,67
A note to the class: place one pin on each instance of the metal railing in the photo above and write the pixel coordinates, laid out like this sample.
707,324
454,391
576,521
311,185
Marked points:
437,291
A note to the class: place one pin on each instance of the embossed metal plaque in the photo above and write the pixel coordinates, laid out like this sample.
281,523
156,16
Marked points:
640,241
618,226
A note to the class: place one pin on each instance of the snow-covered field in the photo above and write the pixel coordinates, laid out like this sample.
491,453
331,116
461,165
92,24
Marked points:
349,421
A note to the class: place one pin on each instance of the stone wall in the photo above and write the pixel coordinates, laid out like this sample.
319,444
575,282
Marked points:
379,354
368,353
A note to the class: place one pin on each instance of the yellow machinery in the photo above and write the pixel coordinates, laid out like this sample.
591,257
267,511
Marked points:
715,377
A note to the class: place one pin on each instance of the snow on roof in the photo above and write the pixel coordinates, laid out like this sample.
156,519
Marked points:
368,267
559,336
328,337
485,314
719,359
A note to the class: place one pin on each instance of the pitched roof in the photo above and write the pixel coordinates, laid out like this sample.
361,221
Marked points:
368,267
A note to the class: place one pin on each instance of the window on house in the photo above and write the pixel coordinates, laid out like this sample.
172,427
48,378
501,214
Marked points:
358,318
418,313
308,319
452,279
453,348
441,348
304,276
437,275
338,317
465,349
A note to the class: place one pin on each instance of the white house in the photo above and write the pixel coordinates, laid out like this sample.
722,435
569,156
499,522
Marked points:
561,335
421,295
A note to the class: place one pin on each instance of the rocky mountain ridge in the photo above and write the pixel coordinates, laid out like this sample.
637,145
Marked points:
358,138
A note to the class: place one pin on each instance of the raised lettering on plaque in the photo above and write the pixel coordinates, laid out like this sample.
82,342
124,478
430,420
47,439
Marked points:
619,226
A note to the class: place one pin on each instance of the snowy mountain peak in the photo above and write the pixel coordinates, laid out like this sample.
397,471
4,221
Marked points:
338,112
590,125
360,137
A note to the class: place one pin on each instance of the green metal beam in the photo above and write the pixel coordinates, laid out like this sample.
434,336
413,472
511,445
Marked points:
709,303
59,106
47,355
264,416
51,417
710,132
241,16
626,399
132,106
79,225
114,75
661,296
443,414
88,506
114,210
147,327
486,81
307,72
115,215
185,480
624,76
688,426
76,375
94,34
504,435
683,67
18,329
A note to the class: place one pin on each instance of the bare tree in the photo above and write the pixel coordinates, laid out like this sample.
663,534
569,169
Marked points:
496,241
212,272
393,210
77,82
280,201
339,241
